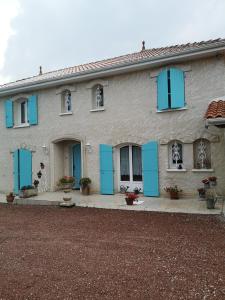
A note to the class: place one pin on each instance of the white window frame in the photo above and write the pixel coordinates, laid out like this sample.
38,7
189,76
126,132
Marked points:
205,152
131,183
18,114
64,105
173,165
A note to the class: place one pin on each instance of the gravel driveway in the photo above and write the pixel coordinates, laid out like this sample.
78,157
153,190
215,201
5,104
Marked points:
87,253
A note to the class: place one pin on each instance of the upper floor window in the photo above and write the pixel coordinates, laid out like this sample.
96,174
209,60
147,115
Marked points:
170,89
176,155
66,101
98,97
202,154
21,112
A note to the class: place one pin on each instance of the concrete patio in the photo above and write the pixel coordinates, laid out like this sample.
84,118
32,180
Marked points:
193,206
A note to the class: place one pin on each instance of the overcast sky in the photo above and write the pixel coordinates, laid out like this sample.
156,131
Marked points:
62,33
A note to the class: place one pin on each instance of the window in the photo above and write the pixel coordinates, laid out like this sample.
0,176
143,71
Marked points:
98,97
170,89
66,102
21,112
130,163
202,154
176,155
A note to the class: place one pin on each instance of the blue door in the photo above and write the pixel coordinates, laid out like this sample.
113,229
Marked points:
76,157
22,169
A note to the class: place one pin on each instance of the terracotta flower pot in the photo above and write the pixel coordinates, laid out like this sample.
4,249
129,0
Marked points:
129,201
10,198
85,190
174,195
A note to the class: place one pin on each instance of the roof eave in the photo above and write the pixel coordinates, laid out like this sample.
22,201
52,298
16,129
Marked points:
123,68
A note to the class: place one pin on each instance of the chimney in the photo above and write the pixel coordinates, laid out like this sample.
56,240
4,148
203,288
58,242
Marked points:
143,46
40,72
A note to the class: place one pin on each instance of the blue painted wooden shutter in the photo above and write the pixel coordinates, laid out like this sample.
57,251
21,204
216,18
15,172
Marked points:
106,170
9,122
77,164
177,88
25,166
162,90
16,171
32,110
150,169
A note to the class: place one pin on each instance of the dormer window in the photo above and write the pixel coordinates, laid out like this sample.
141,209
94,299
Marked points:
66,102
98,97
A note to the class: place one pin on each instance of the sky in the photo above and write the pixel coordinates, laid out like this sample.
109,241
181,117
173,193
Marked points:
57,34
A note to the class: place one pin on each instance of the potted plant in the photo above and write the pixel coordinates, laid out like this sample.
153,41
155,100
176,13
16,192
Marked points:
137,190
10,197
66,182
130,197
210,200
212,180
28,191
206,183
85,185
201,192
173,191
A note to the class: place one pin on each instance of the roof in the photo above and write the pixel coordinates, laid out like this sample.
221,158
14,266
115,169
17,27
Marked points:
120,61
216,109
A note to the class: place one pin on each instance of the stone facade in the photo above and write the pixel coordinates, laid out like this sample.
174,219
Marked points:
130,116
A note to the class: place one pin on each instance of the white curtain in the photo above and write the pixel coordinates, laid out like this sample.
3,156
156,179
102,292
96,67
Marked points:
124,164
137,165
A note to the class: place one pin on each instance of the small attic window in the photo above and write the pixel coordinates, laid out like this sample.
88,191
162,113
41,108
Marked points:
66,102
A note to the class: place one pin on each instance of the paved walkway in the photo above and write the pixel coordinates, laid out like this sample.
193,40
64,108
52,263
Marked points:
193,206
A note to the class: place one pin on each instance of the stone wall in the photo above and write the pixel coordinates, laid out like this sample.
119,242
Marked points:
130,116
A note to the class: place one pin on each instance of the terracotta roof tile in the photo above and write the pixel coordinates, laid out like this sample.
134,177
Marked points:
147,54
216,109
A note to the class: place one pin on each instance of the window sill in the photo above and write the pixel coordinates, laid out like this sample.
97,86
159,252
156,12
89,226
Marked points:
66,113
22,125
172,109
203,170
176,170
97,109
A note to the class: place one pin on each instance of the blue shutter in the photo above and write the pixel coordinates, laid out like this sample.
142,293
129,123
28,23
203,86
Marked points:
9,113
106,170
177,88
25,165
150,169
16,171
162,90
32,110
77,164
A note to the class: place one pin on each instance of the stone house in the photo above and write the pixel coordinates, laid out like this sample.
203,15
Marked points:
136,120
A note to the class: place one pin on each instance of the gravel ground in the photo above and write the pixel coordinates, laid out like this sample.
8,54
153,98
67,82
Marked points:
87,253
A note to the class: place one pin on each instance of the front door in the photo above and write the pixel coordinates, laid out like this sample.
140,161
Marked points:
22,169
131,168
76,160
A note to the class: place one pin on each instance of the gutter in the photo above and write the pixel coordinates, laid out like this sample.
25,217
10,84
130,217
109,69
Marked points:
214,122
118,69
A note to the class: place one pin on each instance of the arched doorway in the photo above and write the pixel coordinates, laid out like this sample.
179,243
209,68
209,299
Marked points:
66,160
